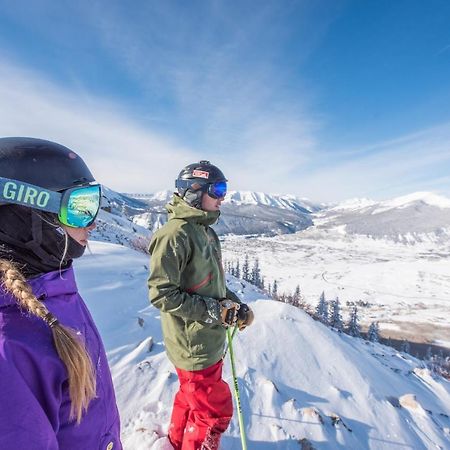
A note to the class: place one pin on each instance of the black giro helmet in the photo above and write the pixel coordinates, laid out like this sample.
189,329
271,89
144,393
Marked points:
42,163
30,237
194,179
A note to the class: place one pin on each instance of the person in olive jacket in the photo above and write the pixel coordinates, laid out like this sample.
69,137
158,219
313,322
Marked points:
187,283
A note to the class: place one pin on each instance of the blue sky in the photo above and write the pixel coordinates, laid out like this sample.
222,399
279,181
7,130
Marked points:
322,99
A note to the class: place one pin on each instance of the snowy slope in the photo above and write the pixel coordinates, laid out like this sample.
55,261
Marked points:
298,379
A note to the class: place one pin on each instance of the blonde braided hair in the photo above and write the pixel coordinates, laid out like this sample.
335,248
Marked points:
82,384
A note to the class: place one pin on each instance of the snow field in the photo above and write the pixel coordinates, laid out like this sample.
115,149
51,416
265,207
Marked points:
405,286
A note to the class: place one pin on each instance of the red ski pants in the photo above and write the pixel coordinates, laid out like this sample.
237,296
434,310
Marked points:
202,409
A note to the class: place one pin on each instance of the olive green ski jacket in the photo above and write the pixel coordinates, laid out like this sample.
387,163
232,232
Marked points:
186,281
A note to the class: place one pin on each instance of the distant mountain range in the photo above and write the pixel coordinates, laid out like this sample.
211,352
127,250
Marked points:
418,217
243,212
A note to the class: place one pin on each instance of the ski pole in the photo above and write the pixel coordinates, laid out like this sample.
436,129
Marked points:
236,392
228,343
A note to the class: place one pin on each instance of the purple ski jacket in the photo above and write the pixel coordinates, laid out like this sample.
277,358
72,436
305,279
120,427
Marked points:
34,395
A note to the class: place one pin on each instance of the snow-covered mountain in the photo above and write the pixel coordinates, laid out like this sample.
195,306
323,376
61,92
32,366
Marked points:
301,383
391,256
419,217
243,213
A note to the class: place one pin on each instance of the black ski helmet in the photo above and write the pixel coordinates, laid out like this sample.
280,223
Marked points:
194,179
42,163
33,238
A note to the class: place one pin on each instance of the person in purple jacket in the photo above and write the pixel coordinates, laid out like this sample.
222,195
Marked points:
56,390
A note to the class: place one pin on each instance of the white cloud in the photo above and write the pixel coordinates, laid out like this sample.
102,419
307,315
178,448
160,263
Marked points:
219,72
419,161
273,153
121,153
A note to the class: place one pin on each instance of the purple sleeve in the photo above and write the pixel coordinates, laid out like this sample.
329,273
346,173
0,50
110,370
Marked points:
30,398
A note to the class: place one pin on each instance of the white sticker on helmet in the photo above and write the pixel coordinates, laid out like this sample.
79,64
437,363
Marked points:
200,174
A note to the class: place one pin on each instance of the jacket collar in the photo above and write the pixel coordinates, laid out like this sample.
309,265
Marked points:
50,284
179,209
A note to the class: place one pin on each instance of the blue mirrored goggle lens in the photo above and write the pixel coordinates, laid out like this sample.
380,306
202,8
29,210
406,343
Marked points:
80,207
218,189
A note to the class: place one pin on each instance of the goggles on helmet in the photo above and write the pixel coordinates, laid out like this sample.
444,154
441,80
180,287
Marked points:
76,207
215,190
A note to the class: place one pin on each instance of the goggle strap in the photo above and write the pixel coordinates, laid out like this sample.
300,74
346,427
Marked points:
25,194
186,184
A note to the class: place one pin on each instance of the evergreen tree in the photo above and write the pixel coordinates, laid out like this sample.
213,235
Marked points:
263,283
246,269
335,315
237,270
275,289
269,290
296,297
373,335
353,328
255,277
322,309
428,354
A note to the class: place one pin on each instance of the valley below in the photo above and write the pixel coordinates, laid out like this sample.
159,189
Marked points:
406,288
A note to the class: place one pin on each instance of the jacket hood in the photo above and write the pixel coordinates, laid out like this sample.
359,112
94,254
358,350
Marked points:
48,285
179,209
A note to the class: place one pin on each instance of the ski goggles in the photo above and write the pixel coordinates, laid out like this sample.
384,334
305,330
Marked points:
215,190
76,207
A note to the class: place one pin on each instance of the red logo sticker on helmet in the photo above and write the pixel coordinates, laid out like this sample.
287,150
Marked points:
200,174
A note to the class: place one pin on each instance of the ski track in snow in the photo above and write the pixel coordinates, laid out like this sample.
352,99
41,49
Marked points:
298,379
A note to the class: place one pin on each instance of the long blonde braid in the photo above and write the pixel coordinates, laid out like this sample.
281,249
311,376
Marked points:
82,385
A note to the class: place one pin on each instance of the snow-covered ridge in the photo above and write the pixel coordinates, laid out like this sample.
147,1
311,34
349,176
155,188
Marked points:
287,201
428,198
417,217
275,200
353,204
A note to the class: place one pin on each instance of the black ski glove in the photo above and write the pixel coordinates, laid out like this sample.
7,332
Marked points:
245,316
228,312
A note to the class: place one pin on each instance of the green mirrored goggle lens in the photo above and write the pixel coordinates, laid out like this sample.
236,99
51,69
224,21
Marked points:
80,206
